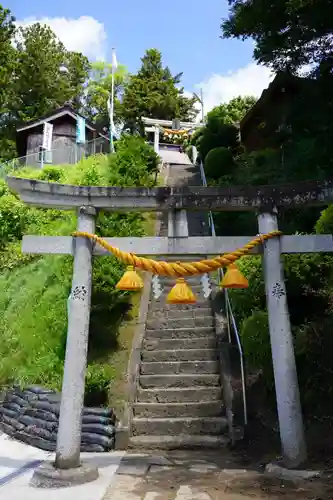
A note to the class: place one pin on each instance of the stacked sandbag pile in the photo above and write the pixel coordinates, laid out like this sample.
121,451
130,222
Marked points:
32,415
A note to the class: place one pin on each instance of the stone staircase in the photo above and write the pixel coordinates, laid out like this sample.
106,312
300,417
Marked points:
179,395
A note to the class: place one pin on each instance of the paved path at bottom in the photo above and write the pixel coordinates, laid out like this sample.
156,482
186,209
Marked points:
200,476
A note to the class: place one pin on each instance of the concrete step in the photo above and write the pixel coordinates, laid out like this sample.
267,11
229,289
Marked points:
180,322
196,289
166,442
179,258
161,304
172,410
183,380
180,425
169,333
182,343
181,355
176,314
178,367
179,394
191,280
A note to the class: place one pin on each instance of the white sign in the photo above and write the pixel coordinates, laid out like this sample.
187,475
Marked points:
80,130
47,136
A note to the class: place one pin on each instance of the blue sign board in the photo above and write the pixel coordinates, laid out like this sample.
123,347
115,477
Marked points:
80,130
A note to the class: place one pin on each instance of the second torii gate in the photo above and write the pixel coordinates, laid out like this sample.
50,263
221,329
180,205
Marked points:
154,125
266,201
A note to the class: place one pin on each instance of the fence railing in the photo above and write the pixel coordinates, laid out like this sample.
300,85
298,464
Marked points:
57,156
233,332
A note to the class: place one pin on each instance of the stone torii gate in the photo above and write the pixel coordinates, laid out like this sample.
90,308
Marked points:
153,125
265,201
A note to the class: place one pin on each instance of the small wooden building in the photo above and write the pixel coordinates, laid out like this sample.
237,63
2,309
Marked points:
65,148
260,127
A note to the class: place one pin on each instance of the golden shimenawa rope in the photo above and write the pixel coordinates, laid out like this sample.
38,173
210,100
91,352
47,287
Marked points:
178,269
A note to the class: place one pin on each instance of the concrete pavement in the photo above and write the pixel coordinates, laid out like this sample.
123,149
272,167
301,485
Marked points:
182,475
203,475
18,461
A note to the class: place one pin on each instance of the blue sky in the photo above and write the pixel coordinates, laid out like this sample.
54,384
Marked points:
188,37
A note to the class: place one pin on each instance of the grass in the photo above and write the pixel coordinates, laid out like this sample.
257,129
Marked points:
33,327
119,359
34,291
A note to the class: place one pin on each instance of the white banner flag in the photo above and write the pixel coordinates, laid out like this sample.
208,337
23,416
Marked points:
114,60
47,136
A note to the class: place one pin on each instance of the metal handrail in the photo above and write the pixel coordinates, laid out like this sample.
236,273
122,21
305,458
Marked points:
229,313
20,162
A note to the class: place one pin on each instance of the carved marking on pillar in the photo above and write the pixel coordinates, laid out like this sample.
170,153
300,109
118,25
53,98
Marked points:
79,293
278,291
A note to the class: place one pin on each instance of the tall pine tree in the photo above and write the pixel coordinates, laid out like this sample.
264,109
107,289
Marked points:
153,92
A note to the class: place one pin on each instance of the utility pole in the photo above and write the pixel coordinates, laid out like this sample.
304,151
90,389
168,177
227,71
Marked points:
202,106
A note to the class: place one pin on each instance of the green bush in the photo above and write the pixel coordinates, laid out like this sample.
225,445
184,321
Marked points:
189,152
219,162
136,146
52,174
309,285
258,167
324,224
256,345
313,345
13,216
217,135
307,278
3,187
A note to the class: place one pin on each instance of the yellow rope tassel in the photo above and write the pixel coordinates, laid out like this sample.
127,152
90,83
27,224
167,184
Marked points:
181,293
175,269
130,281
233,278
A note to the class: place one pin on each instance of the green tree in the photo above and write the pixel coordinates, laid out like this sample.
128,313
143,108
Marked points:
7,66
155,93
221,128
39,85
98,92
288,33
233,111
7,58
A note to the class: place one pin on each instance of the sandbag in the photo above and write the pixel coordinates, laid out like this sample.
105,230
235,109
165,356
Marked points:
95,419
103,412
8,413
90,438
91,448
28,396
40,443
42,415
13,423
38,423
36,389
12,406
7,429
40,432
13,398
104,430
43,405
54,398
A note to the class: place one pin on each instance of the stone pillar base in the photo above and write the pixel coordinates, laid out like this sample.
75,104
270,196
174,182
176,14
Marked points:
48,476
279,471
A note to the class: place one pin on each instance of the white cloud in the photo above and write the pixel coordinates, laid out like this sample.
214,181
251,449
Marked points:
250,80
84,34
